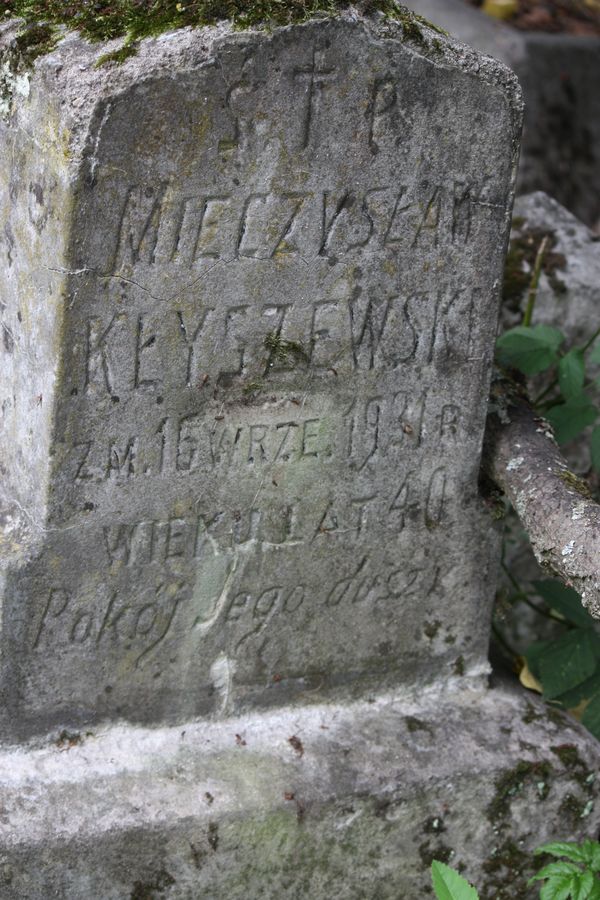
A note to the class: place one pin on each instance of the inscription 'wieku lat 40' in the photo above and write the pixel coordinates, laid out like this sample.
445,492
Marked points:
247,335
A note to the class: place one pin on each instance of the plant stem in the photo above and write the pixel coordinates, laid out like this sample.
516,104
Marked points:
589,343
524,597
535,279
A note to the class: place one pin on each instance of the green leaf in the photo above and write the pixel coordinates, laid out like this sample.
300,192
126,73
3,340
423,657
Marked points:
533,655
531,350
449,885
552,870
567,662
595,448
556,889
579,853
565,880
571,374
591,852
591,720
583,691
594,356
564,600
569,419
584,886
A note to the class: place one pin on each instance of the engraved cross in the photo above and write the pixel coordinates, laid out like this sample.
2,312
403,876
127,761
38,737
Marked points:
315,78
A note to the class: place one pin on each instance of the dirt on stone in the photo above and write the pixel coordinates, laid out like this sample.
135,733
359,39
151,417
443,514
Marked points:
578,17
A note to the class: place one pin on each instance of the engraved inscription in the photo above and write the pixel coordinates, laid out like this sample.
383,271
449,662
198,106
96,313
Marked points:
158,227
118,622
314,78
364,330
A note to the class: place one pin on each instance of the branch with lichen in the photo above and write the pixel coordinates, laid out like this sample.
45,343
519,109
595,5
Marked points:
555,506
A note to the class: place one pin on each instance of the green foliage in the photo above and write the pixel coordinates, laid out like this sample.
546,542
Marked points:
569,419
449,885
568,667
572,880
531,349
539,349
136,19
572,877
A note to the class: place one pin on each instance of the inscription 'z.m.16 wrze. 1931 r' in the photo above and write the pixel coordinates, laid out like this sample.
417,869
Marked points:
248,314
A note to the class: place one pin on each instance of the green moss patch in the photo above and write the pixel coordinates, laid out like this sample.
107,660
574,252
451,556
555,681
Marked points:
513,782
137,19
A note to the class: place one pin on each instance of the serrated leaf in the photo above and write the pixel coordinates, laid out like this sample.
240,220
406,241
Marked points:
556,889
567,662
591,851
571,374
555,869
570,883
569,419
569,849
583,887
595,448
564,600
530,349
591,719
449,885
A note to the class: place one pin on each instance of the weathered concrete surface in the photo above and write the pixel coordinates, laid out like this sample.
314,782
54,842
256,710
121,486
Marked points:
558,73
250,338
350,801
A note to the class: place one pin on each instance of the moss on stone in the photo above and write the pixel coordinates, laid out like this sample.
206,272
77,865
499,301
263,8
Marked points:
119,56
282,351
137,19
413,724
36,40
430,629
577,768
436,850
459,666
507,868
512,783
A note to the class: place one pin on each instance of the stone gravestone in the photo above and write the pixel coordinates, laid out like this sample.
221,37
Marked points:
249,299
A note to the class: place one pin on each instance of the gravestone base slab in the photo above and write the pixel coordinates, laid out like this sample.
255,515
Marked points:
328,800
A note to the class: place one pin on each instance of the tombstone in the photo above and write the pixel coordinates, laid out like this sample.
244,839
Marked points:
250,284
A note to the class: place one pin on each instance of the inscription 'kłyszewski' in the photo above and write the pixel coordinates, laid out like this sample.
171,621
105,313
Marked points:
360,331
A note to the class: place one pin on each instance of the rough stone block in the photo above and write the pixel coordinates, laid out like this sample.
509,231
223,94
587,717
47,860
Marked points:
350,801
